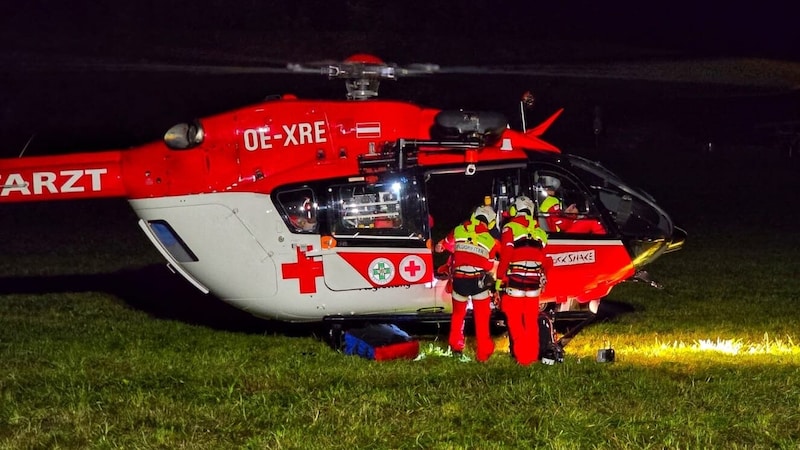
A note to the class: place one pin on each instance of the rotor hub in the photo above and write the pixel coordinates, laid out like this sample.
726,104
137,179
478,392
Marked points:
363,73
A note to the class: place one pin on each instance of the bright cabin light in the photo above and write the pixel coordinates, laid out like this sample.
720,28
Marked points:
396,188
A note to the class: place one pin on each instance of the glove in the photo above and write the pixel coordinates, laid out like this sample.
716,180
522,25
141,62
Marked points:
498,285
488,281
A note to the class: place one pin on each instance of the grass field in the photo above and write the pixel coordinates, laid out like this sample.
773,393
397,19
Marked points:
100,348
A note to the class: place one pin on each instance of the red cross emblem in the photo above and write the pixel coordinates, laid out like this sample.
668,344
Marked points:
412,268
306,270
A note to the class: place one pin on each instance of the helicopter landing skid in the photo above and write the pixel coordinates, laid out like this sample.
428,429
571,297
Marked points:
569,323
335,326
584,319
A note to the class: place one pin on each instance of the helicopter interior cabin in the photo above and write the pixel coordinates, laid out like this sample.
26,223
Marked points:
386,210
408,209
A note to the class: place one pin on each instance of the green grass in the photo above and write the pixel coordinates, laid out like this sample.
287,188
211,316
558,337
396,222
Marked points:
84,370
92,369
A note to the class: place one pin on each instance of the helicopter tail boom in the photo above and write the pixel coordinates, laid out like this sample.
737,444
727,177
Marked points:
62,177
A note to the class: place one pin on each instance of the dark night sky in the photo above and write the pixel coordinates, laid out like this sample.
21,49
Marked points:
739,28
223,32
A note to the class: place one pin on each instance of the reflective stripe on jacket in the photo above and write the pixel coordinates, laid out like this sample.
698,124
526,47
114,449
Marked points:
474,246
516,233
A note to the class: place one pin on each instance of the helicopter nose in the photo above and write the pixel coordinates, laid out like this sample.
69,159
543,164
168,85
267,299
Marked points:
676,241
647,250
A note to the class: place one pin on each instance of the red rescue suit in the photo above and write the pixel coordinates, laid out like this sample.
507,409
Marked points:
521,274
474,251
559,220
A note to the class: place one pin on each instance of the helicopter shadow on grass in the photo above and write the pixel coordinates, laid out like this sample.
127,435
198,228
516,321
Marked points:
156,291
610,309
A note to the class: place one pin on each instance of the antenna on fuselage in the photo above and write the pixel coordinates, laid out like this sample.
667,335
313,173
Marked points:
525,103
27,144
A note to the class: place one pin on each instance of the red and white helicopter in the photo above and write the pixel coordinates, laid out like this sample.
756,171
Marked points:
311,210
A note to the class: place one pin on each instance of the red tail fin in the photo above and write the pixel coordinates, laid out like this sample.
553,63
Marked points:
542,127
64,177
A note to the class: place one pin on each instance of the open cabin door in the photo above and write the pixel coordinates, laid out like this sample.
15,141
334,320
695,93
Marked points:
585,253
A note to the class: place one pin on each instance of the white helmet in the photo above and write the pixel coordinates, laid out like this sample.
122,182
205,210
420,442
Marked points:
484,213
523,203
548,182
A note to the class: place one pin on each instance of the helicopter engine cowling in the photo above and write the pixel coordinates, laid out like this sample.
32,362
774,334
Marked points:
485,126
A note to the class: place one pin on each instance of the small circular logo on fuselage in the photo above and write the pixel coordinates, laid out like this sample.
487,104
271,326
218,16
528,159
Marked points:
381,271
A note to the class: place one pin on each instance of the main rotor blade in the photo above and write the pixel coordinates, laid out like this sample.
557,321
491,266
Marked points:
32,63
743,72
736,72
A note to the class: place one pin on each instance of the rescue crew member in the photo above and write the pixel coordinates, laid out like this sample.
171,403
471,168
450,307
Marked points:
564,220
474,252
521,278
551,205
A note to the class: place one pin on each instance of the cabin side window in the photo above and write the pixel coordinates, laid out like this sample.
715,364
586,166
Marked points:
364,206
389,208
299,210
171,241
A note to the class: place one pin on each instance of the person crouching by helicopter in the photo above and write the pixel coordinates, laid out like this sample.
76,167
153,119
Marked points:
474,251
521,278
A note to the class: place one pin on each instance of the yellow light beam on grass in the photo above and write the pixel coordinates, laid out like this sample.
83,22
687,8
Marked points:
719,346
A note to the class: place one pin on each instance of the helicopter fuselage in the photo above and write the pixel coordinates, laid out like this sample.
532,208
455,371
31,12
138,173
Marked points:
301,210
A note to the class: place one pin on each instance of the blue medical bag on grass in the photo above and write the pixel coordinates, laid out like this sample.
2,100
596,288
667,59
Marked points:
380,342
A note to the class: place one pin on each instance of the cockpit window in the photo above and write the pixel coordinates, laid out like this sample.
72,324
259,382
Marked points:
634,211
632,214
